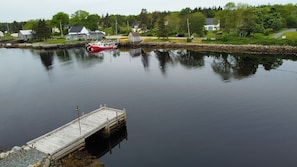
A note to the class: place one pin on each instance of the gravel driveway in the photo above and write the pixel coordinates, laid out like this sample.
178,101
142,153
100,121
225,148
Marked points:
277,35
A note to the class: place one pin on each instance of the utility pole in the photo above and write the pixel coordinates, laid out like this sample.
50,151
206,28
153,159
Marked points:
7,28
188,24
116,27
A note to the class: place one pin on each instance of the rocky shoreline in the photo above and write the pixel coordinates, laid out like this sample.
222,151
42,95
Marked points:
43,46
27,156
24,156
251,49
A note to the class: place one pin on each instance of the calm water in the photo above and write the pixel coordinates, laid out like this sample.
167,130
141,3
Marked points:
184,108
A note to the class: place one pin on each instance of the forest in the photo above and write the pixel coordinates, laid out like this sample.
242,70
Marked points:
240,19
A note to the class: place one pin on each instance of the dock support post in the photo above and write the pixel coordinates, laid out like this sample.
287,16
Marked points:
107,128
125,116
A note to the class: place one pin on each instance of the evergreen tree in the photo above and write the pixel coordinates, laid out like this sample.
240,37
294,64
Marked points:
162,30
42,30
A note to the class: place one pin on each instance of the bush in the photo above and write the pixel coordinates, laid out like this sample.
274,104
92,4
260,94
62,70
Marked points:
189,39
225,38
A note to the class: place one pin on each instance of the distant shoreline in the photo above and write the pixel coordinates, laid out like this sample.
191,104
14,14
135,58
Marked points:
248,48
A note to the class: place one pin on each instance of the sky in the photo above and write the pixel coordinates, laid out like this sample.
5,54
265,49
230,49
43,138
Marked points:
24,10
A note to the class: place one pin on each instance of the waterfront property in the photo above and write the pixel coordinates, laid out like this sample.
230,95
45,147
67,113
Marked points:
70,137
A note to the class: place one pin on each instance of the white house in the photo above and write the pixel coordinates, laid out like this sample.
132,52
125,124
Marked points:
26,35
211,25
1,34
77,32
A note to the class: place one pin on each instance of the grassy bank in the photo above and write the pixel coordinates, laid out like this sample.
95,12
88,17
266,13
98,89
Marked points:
252,40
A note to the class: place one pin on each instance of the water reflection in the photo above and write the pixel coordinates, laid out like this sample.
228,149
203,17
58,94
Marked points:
227,66
190,58
164,58
242,66
63,55
271,63
46,58
98,146
136,52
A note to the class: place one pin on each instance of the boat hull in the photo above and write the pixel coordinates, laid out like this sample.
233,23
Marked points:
100,47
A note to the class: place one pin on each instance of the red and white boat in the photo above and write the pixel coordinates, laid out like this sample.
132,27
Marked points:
100,46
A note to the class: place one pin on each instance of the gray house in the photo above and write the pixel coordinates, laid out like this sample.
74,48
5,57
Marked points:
96,35
26,35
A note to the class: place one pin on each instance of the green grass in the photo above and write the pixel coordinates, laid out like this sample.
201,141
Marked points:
59,40
210,34
290,35
257,39
55,41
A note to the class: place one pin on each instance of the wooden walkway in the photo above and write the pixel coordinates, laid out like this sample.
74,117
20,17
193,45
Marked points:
71,136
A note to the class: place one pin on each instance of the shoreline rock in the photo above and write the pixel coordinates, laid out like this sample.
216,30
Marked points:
251,49
24,156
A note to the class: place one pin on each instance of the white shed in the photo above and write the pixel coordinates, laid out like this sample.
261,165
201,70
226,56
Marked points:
26,35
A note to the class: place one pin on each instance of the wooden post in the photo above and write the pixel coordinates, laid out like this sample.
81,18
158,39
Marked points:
107,128
117,117
125,117
78,116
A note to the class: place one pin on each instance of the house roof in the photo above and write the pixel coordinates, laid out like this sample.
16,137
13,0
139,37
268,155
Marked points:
26,32
134,34
209,21
75,29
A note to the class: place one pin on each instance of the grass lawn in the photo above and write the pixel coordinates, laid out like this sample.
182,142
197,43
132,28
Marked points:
290,35
59,40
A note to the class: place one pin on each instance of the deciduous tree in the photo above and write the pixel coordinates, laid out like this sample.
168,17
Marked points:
60,20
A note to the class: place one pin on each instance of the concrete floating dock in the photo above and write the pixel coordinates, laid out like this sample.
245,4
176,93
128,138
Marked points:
71,136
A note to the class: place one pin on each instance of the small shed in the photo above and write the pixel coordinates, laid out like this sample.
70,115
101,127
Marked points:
211,25
134,37
26,35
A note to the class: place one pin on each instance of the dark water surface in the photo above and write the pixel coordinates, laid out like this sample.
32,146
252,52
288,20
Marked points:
184,108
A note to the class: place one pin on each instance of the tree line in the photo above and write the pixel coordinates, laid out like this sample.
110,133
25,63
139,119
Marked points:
240,19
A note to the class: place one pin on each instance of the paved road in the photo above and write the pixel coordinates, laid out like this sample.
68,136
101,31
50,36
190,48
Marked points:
277,35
